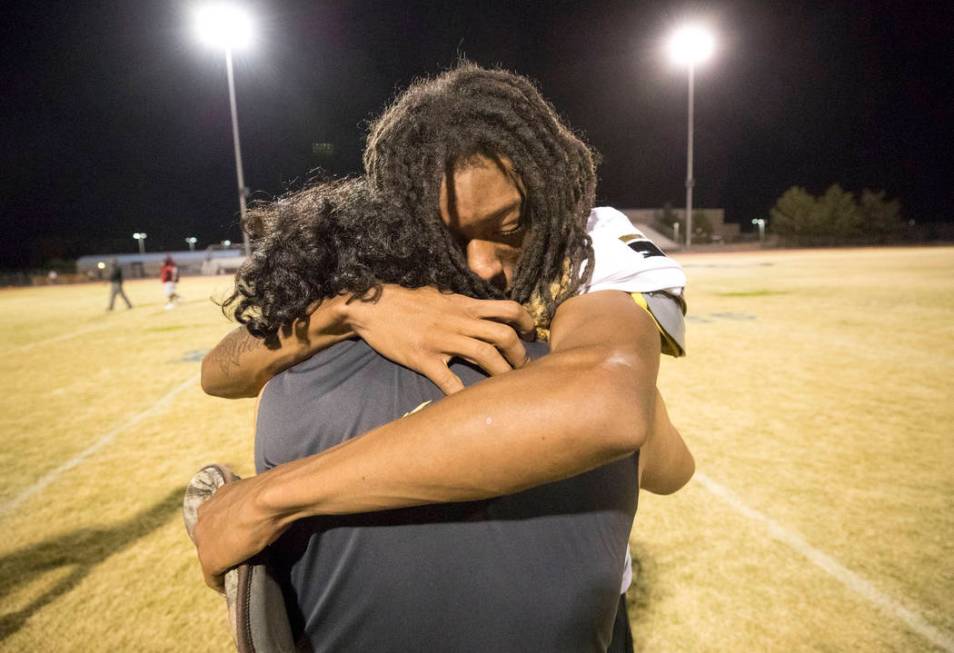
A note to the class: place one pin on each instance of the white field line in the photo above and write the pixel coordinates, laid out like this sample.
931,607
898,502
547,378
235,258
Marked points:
63,336
161,404
853,581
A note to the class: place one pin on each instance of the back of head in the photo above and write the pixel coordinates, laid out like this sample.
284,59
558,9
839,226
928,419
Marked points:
324,240
469,110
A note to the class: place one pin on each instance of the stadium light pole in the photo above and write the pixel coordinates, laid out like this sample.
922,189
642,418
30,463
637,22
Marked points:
191,240
760,222
689,46
141,237
228,27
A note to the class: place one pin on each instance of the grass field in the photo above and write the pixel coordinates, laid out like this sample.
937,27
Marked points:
816,398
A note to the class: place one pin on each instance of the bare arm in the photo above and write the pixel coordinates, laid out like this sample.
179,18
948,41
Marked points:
665,463
509,433
240,365
419,328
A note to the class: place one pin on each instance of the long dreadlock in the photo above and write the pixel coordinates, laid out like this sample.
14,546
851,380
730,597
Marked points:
439,122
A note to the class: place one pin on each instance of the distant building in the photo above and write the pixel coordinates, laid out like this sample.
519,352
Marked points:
210,261
721,230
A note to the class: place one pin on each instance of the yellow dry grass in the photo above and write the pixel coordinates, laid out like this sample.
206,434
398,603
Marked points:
816,391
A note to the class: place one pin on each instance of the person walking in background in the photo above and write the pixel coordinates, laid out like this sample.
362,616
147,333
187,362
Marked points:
116,285
169,275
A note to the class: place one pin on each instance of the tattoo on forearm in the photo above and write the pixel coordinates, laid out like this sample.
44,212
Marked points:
230,350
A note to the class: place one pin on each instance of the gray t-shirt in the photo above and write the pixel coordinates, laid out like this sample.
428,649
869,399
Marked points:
534,571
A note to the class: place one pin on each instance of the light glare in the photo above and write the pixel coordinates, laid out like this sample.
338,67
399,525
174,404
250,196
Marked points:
223,26
691,44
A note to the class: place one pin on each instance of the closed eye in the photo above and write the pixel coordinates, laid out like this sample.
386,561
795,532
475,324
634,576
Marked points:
511,231
519,226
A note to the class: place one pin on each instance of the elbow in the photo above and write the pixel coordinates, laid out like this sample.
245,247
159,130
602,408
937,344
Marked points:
207,381
635,432
677,479
690,472
623,398
211,383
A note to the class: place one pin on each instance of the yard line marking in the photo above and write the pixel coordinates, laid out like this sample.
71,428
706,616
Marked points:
853,581
160,405
63,336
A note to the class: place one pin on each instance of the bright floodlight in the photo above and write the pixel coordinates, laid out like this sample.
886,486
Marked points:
224,26
141,237
691,44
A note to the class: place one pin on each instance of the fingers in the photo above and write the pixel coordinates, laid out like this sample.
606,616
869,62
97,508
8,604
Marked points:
479,345
502,337
215,582
506,311
208,538
423,328
483,354
440,375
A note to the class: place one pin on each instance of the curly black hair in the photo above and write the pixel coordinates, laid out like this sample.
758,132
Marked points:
327,239
440,122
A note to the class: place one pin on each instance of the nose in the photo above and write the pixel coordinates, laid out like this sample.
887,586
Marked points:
484,261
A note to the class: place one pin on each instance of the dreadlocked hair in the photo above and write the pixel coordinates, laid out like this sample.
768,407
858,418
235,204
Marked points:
328,239
437,124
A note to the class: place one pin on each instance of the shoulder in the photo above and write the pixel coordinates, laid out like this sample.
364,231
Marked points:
625,259
340,392
605,220
322,373
348,378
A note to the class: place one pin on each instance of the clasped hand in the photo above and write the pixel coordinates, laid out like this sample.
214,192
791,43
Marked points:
423,329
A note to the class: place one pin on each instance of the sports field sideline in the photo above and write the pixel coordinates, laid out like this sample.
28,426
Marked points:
816,398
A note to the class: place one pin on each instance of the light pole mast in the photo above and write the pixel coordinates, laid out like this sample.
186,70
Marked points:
141,237
690,182
239,172
229,27
690,45
760,223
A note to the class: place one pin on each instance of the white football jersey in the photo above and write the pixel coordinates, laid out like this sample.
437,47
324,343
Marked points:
624,259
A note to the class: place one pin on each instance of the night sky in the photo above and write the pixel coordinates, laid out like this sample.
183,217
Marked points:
113,119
